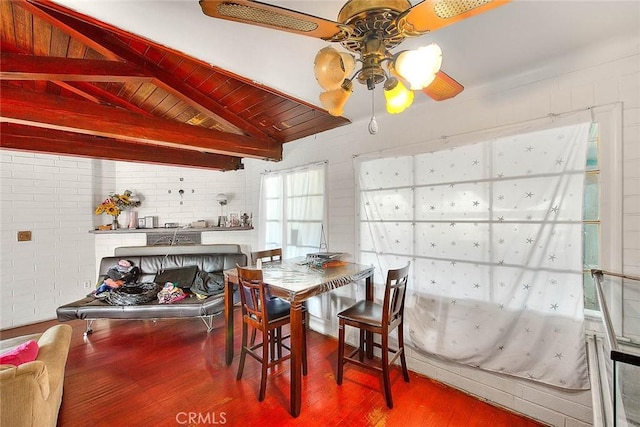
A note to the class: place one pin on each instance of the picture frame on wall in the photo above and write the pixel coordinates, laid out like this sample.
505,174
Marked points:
234,219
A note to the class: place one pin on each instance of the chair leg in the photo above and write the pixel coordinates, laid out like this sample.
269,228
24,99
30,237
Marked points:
385,370
275,342
265,366
340,352
272,338
362,347
403,361
279,342
243,351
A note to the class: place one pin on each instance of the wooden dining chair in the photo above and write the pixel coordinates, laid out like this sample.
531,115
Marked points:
270,255
381,319
267,315
267,255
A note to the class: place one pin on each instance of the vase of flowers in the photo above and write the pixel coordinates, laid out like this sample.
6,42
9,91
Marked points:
115,204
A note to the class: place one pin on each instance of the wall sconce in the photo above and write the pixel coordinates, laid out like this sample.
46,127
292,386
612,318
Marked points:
222,199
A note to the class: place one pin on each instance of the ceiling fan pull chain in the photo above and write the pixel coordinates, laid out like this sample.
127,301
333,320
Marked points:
373,124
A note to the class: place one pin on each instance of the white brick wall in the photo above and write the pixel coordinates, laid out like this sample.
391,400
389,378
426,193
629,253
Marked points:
49,196
160,185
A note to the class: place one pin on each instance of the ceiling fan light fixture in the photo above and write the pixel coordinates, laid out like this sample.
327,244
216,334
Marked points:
335,100
418,67
370,30
398,97
331,67
443,87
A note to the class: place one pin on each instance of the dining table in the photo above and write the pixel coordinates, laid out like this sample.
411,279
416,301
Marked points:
296,280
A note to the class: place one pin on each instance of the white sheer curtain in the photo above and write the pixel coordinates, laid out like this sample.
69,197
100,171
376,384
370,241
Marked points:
293,209
270,211
494,232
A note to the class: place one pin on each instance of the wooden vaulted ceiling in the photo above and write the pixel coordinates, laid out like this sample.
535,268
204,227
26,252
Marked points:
73,85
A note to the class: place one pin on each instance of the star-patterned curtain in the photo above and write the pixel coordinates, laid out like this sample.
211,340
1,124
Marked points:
494,232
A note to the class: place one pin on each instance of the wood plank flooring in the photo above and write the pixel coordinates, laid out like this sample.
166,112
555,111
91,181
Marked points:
172,373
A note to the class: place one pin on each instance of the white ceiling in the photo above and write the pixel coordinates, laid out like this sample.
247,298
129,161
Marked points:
511,39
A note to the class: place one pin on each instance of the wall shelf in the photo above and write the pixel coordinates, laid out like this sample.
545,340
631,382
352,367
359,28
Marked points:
163,230
169,236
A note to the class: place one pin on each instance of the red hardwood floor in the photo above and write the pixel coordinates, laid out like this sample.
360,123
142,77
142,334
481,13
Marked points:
172,373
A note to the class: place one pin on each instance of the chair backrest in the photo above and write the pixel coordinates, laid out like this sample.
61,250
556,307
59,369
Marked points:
394,295
267,255
252,295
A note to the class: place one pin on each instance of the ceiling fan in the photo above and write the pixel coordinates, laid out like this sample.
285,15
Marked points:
369,29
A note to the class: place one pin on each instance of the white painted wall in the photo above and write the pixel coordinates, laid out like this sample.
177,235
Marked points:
55,196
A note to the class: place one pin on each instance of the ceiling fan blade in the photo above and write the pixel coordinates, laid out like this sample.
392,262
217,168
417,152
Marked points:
431,15
443,87
274,17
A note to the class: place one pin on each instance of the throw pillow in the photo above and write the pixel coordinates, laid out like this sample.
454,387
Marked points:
25,352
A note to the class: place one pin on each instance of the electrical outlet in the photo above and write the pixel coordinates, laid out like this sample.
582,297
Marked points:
87,284
24,236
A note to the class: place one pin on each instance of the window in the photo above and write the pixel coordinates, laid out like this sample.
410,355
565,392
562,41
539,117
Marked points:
293,210
491,229
602,219
591,219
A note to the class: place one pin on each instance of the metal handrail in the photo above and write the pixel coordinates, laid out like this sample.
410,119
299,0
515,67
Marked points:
609,273
604,309
617,353
607,398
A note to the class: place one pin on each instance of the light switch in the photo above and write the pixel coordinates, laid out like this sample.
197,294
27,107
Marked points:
24,236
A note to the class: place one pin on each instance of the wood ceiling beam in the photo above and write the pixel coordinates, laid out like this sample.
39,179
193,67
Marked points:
27,67
108,97
36,11
20,137
87,27
26,107
73,89
90,91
